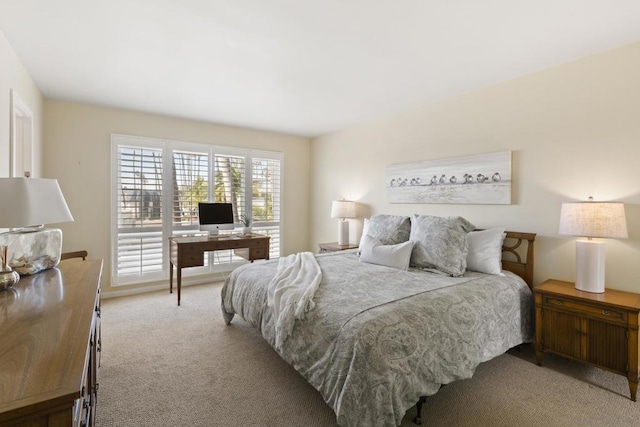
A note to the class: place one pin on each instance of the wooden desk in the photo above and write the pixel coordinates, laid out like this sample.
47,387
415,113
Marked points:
49,347
189,251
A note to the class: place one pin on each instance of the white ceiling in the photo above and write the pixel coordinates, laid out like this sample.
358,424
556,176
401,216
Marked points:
305,67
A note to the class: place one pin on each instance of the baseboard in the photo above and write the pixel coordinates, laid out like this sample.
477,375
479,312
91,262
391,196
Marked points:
190,281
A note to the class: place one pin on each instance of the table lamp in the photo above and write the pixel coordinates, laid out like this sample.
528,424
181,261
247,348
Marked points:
28,204
591,220
343,209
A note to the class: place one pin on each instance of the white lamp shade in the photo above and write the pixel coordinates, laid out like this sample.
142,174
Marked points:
594,219
343,209
31,201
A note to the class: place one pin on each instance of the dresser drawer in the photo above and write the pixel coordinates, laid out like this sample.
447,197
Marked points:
612,315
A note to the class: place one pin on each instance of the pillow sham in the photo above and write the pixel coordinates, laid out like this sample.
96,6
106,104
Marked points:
485,251
389,229
397,256
440,243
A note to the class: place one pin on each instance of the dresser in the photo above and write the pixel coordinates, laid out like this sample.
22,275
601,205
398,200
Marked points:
50,347
598,329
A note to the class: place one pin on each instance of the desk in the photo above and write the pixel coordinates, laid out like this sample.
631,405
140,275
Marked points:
189,251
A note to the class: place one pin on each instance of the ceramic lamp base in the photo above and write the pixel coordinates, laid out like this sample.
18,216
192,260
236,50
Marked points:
33,251
343,232
590,265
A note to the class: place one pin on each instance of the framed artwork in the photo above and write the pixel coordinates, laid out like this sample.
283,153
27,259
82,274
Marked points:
21,155
479,179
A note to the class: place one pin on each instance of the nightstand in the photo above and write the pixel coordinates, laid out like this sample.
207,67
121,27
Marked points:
334,247
598,329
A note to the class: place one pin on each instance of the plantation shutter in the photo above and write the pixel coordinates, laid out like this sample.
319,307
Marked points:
190,185
265,201
229,177
139,211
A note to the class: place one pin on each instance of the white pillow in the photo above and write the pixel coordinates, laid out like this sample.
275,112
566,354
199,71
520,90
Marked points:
365,231
484,252
396,256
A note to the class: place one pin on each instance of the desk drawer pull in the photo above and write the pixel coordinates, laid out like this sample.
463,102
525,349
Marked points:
606,312
558,302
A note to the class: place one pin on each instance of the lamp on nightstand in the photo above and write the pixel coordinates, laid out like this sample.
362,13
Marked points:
343,209
591,220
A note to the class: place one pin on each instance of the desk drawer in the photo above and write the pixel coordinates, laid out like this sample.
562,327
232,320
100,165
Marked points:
191,258
258,253
600,312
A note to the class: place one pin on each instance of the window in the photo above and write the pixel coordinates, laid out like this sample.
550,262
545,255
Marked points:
156,187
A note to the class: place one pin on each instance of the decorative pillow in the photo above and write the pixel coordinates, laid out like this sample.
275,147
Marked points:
440,243
396,256
485,251
389,229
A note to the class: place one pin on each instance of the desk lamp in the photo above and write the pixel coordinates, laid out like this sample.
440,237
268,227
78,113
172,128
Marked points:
591,220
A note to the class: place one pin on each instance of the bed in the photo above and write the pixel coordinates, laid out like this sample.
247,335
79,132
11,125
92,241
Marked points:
380,339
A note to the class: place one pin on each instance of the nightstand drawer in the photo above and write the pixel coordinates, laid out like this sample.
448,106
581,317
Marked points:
612,315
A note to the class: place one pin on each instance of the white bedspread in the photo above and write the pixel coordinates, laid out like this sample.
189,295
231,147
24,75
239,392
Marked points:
291,291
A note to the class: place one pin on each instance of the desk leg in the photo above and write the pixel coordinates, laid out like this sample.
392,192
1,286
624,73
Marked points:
170,277
179,283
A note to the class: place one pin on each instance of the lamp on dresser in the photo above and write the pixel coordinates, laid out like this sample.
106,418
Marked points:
343,209
590,221
28,204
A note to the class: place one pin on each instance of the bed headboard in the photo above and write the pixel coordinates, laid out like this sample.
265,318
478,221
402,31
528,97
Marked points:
514,251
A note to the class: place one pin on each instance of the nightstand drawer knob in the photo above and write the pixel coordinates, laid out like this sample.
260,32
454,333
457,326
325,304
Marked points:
606,312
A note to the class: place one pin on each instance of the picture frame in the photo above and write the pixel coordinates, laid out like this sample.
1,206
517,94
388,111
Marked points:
477,179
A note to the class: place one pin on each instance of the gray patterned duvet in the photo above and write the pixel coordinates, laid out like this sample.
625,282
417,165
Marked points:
379,338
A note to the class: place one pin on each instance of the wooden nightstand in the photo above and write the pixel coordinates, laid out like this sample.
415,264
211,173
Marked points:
598,329
334,247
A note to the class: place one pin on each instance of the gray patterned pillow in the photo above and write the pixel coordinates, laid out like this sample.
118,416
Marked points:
440,243
388,229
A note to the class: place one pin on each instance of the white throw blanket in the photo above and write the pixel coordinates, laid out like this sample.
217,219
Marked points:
291,291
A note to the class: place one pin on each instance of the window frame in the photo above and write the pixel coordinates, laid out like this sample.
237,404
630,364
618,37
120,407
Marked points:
168,229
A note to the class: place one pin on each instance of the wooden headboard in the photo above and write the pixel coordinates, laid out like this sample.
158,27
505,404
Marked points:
514,251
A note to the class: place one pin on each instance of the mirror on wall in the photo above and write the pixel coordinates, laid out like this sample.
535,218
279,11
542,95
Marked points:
21,137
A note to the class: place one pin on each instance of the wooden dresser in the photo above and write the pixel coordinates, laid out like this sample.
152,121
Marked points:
49,347
599,329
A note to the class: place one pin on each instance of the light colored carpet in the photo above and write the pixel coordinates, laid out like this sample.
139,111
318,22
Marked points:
164,365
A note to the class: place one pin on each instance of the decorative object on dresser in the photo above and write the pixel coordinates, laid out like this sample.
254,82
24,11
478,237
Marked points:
50,347
343,209
592,219
28,204
334,247
598,329
8,277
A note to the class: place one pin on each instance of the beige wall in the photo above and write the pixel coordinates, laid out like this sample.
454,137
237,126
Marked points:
77,153
14,76
574,131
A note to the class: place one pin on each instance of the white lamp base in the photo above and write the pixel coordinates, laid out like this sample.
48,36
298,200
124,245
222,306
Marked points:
343,232
590,265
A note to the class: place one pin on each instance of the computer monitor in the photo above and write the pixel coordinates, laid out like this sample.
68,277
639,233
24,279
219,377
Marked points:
215,216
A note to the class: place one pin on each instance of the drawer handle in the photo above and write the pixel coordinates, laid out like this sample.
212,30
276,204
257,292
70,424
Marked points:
558,302
606,312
